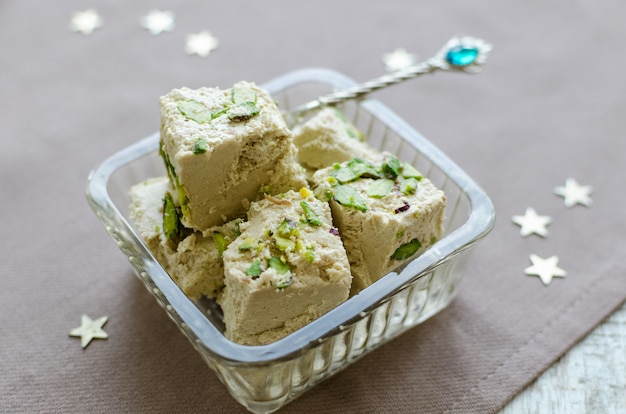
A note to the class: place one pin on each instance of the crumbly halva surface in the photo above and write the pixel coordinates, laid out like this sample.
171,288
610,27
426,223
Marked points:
287,268
193,259
221,148
328,138
386,213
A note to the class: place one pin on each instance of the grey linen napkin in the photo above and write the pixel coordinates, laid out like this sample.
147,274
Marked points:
549,106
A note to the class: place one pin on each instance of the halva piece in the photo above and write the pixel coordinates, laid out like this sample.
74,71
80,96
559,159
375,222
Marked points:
328,138
287,268
221,148
386,212
191,258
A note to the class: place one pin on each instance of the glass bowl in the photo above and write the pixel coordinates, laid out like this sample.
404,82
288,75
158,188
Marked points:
264,378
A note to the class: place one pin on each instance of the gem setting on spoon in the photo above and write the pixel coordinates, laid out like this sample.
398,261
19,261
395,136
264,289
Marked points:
464,53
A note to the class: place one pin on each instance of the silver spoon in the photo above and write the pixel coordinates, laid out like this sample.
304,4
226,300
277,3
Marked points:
460,54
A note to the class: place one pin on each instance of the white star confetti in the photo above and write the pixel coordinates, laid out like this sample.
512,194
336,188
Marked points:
85,21
546,269
90,329
201,44
158,21
398,59
574,193
531,223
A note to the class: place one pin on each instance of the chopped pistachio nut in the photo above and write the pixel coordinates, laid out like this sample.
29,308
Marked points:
380,188
242,95
391,167
305,192
277,264
255,269
200,146
283,244
309,215
220,242
183,199
309,254
238,227
406,250
408,185
242,111
219,113
172,228
409,171
171,172
287,229
195,111
248,244
353,169
349,197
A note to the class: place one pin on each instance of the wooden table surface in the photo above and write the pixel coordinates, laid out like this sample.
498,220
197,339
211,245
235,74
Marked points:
590,378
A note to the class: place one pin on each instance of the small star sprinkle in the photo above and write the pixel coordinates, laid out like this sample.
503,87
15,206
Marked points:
201,44
546,269
398,59
574,193
85,21
158,21
531,223
90,329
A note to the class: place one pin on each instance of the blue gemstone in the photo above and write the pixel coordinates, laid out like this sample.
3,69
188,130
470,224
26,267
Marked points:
462,55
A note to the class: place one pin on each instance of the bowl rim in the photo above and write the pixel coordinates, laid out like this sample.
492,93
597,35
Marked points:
203,333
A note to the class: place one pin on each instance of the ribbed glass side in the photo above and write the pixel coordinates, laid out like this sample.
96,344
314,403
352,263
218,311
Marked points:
266,388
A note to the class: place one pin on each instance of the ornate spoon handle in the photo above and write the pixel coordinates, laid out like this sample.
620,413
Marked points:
461,54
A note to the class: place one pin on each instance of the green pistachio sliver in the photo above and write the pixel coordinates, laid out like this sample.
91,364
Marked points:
248,244
391,167
287,229
240,94
238,227
200,146
183,199
409,171
344,174
172,227
353,169
275,263
363,168
309,215
380,188
242,111
406,250
284,244
221,243
309,254
219,113
408,185
349,197
255,269
195,111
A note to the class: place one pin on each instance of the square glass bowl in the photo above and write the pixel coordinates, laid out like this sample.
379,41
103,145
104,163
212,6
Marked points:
264,378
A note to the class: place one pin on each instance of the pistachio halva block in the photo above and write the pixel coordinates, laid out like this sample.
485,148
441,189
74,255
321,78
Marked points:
221,148
193,259
328,138
287,268
386,212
